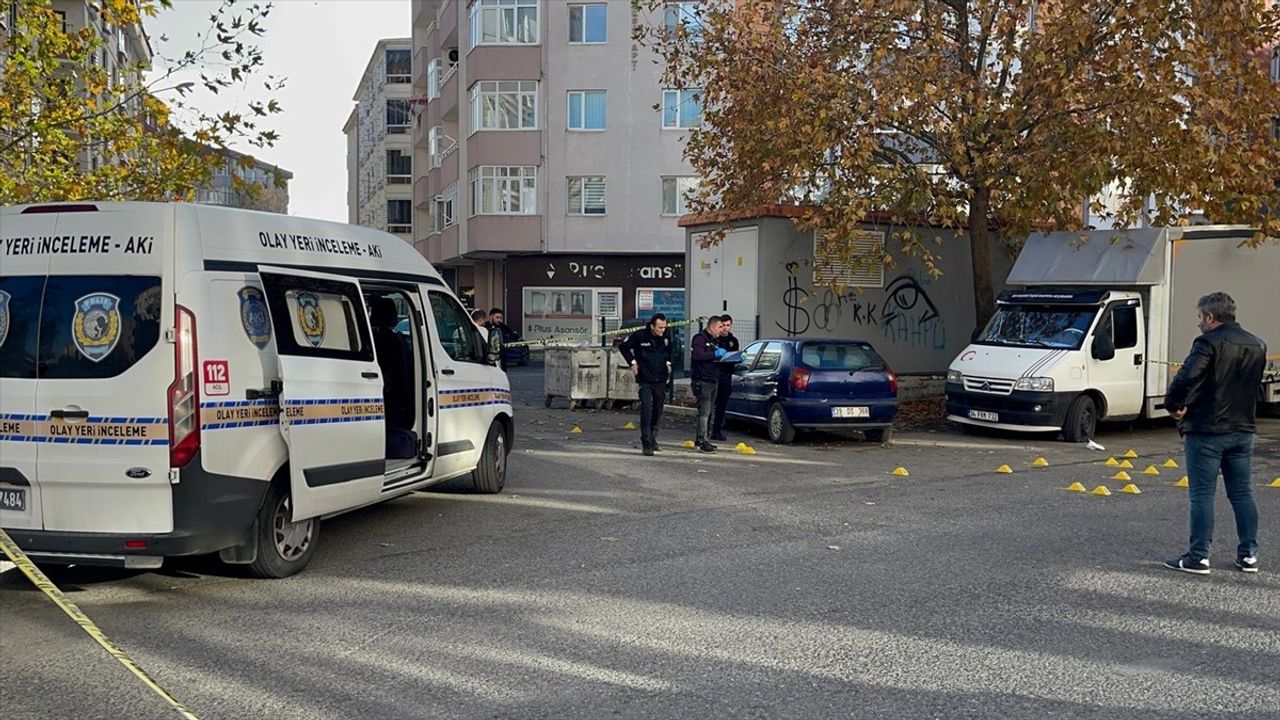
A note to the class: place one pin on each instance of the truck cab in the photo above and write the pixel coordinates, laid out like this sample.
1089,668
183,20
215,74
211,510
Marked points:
1053,360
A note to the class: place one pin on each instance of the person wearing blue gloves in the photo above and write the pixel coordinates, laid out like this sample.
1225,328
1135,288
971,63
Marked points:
730,345
704,378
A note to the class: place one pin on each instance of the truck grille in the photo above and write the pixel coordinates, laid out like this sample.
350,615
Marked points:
995,386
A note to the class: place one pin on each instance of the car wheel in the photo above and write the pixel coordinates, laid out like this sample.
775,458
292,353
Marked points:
491,474
284,547
1082,420
780,428
881,435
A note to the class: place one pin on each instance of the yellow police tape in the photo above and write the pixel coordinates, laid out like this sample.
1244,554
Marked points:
39,579
578,340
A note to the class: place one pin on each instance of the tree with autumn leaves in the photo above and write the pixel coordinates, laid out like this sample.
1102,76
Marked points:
990,115
60,105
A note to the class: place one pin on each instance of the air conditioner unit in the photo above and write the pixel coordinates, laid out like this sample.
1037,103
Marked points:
453,55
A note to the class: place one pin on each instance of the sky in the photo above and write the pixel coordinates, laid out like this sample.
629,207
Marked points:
321,47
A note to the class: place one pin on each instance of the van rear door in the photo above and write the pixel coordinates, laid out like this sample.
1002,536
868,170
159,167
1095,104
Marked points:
331,405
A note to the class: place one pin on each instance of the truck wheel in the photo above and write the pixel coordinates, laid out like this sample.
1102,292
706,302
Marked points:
284,547
883,435
780,429
491,474
1082,420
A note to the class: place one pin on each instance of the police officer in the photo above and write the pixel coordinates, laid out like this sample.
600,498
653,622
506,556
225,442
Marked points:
648,352
705,354
730,345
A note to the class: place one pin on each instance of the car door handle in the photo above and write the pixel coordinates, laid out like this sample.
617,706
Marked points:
369,374
69,414
446,371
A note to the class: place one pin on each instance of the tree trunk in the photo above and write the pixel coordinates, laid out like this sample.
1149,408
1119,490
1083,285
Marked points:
984,302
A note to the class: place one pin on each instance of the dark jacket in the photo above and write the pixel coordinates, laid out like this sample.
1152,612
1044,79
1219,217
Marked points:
730,344
650,353
703,365
1218,383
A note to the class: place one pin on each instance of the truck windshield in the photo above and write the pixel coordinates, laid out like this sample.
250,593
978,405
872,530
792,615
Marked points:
1046,326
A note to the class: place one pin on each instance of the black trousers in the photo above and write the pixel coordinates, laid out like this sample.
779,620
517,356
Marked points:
652,397
722,403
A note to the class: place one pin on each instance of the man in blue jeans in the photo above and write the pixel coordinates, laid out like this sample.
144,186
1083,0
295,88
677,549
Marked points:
1214,398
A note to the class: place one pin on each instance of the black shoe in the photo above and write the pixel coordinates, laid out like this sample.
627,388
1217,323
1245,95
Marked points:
655,447
1247,564
648,450
1189,564
719,436
705,446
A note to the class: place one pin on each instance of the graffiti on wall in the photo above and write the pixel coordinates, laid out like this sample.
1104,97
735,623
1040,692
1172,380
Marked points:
905,313
909,315
792,299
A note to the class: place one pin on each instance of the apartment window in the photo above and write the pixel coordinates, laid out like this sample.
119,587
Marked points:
676,192
682,14
497,190
62,19
586,195
398,116
588,23
681,108
587,109
504,22
399,66
446,207
433,79
400,216
504,105
399,167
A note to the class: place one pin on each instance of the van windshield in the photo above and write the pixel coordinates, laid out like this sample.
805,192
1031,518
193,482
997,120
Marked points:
1049,326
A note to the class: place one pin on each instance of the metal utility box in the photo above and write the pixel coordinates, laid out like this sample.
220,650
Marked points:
576,374
622,384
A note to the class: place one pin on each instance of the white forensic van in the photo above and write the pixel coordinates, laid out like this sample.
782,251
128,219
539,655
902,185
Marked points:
182,379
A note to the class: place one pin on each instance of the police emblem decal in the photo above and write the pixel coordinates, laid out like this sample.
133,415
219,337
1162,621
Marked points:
4,316
95,328
253,316
311,318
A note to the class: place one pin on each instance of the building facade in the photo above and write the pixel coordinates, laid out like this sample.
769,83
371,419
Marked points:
544,175
380,144
243,182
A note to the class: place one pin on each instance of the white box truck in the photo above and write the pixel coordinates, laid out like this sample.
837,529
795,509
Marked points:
1093,326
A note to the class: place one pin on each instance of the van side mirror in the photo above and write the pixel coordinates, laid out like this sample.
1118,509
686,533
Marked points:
1104,346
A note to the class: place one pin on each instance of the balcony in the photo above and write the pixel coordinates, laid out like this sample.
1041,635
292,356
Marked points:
504,234
421,193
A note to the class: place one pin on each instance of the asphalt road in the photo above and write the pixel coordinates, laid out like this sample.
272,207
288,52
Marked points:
800,582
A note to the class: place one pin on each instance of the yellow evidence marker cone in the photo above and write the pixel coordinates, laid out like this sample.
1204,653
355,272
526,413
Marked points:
1039,462
1275,483
1075,487
745,449
688,444
1125,464
1183,482
1122,475
1151,470
1004,470
1101,490
1131,489
1131,454
900,472
629,426
1112,462
1170,463
575,430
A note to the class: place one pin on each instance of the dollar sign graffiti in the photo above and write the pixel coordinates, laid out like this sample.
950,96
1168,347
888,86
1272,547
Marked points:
796,315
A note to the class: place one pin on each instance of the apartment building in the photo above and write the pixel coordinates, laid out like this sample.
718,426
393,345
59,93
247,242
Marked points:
380,143
241,181
544,176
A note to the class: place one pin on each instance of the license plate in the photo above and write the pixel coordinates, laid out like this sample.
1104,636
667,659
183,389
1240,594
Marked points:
850,412
984,415
13,500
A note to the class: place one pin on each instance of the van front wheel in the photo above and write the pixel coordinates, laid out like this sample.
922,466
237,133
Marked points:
490,474
1082,420
284,547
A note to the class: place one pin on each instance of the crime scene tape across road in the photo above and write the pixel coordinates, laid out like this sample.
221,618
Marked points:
51,591
577,341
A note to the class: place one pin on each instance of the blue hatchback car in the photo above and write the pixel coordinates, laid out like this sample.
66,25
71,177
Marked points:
798,383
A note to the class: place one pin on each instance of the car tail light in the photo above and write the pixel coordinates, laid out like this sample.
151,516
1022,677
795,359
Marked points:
800,379
893,381
184,394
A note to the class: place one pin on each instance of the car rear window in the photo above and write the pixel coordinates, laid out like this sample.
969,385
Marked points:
840,356
96,326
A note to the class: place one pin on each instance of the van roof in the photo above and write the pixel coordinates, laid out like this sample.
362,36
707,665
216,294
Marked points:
234,235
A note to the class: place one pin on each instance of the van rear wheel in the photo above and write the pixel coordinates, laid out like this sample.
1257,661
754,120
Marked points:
1082,420
284,547
490,474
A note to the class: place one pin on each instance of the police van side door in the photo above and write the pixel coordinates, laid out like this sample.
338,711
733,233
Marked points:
466,392
331,404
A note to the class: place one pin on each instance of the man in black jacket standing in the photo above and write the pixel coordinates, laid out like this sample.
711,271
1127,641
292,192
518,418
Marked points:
648,352
1214,399
730,345
704,376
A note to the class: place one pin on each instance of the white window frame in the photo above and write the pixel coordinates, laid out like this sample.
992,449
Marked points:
581,96
433,79
682,12
681,101
583,20
484,90
690,182
401,129
398,228
582,208
496,181
445,208
399,179
399,78
481,9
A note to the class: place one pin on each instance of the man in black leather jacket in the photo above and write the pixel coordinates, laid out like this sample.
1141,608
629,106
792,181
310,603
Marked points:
1214,398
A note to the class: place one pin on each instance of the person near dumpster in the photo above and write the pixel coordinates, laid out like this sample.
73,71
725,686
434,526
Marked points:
1214,398
730,345
704,377
648,352
495,327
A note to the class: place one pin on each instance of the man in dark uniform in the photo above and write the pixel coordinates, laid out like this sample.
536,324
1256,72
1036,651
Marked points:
495,327
704,376
648,352
730,345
